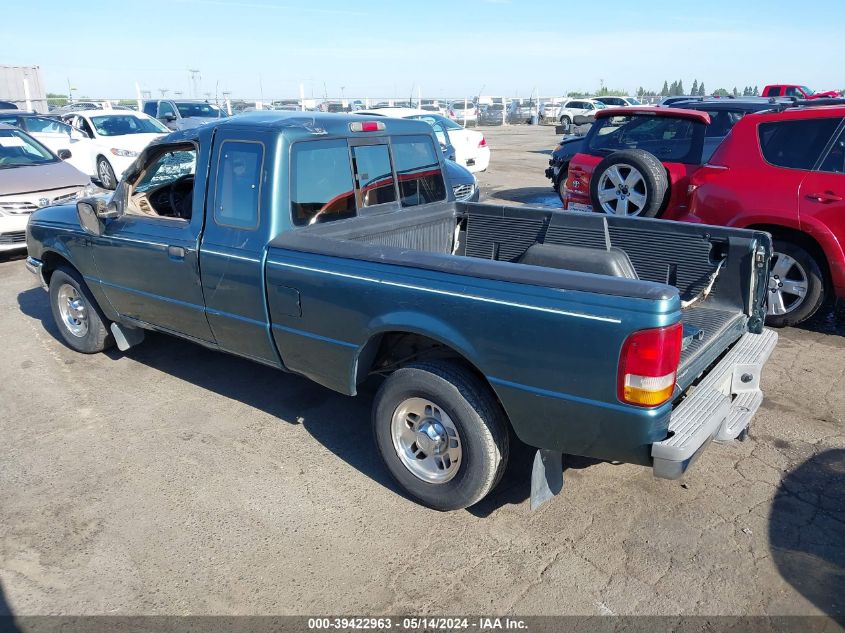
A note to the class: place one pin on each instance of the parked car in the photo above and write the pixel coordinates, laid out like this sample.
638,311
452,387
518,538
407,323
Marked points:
666,102
783,172
182,114
478,319
491,114
31,177
619,102
723,114
432,105
638,161
55,134
570,108
465,112
117,138
77,106
470,146
8,105
523,111
794,90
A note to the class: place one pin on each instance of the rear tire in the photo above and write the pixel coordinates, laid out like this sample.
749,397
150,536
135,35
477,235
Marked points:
77,315
432,411
793,268
636,182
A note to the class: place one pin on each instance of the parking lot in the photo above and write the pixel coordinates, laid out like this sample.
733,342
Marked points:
171,479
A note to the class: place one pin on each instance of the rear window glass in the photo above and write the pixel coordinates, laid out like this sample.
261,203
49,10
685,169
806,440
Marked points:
671,139
795,144
322,188
374,175
418,170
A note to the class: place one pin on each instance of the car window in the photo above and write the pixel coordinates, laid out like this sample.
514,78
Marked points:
373,175
165,109
322,188
17,149
9,120
792,92
721,122
150,108
834,162
237,197
674,139
418,170
795,144
43,125
123,124
167,168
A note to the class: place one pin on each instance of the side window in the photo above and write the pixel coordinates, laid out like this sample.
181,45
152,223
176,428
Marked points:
165,186
373,175
793,92
238,195
165,109
150,108
41,125
795,144
834,162
418,170
322,188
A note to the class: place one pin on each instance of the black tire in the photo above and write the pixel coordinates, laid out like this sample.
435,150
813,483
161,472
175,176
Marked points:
477,416
105,173
655,182
565,120
807,306
97,336
561,181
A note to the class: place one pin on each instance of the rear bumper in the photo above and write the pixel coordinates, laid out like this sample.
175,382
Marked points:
720,406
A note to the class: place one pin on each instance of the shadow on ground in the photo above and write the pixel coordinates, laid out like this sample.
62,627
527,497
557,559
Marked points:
807,531
534,196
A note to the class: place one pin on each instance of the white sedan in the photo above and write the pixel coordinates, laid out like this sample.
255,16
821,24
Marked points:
471,150
118,137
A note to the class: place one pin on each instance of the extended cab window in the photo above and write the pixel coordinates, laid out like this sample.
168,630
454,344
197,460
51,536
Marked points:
795,144
321,182
418,170
373,175
238,194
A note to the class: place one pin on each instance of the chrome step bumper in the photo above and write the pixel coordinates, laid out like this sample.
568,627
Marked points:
34,266
719,408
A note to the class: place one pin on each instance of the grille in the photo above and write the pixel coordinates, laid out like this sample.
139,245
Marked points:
463,192
18,208
14,237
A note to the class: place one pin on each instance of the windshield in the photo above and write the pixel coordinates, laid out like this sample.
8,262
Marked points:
633,101
671,139
19,150
188,109
599,105
118,125
808,91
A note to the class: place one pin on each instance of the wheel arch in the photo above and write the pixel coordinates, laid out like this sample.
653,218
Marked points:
51,260
802,239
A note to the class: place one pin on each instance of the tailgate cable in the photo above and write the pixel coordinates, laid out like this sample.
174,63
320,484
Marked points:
701,296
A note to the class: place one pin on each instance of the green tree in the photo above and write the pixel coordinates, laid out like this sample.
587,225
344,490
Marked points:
701,91
665,91
56,99
721,92
640,92
756,91
735,92
681,87
694,90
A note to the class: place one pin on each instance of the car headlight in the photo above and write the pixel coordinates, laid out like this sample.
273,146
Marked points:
126,153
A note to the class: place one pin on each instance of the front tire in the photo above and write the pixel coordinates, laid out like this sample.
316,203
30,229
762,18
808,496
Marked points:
105,173
76,313
565,120
796,285
441,433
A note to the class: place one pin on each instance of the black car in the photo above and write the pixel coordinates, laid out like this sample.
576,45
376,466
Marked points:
8,105
491,114
723,114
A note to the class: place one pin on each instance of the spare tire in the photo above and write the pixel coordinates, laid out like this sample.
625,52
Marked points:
630,182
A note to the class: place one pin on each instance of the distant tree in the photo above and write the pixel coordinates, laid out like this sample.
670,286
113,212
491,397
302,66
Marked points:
694,90
673,89
701,91
681,87
665,91
640,92
735,92
56,99
577,95
756,91
721,92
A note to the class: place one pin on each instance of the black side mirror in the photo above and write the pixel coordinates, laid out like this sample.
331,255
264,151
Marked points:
92,213
64,154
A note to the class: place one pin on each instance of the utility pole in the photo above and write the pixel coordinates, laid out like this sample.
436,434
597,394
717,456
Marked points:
195,78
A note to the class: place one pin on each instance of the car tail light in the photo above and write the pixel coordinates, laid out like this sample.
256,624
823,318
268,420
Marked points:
366,126
648,366
482,142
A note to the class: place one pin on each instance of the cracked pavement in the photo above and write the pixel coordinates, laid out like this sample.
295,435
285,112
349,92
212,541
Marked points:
176,480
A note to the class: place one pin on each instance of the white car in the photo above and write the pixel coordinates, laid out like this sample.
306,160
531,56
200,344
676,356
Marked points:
118,136
471,150
463,111
619,102
569,109
54,134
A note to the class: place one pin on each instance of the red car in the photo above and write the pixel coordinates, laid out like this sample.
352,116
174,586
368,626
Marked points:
783,172
794,90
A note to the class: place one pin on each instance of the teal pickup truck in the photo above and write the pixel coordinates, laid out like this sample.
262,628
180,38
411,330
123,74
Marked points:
330,246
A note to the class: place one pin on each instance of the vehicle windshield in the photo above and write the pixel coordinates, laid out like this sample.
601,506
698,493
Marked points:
118,125
671,139
19,150
189,109
448,124
633,101
599,105
808,91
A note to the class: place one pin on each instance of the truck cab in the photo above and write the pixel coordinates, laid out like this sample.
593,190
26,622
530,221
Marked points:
181,114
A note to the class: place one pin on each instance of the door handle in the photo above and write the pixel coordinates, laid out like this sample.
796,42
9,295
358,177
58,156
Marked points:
825,198
176,252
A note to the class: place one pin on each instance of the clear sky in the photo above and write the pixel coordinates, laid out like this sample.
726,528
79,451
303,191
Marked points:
383,48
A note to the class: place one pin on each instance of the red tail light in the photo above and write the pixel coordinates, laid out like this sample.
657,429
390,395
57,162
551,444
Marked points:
648,366
482,142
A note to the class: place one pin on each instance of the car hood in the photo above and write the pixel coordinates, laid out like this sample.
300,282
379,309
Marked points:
34,178
458,175
133,142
